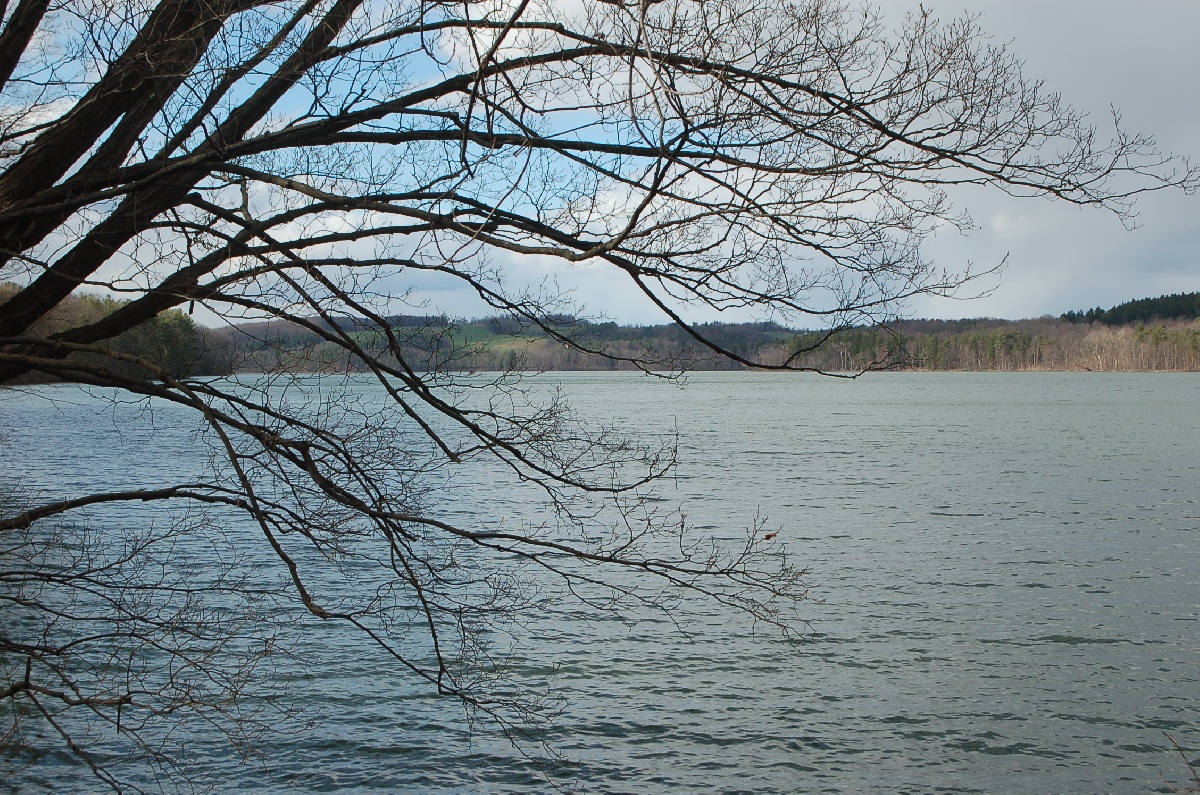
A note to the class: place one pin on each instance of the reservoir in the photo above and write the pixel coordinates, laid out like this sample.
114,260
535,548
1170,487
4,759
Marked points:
1003,577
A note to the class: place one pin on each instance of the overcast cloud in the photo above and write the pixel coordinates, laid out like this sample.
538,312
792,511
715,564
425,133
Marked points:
1141,58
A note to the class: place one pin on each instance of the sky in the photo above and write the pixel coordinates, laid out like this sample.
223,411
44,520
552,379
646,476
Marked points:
1140,58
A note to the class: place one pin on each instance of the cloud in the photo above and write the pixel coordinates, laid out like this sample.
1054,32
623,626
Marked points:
1138,58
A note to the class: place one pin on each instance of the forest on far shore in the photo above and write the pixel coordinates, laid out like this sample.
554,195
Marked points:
1148,334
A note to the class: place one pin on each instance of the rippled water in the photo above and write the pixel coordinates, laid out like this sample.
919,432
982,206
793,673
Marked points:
1005,598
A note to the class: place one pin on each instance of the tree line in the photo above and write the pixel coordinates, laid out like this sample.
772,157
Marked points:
170,340
503,344
1038,344
430,342
1177,306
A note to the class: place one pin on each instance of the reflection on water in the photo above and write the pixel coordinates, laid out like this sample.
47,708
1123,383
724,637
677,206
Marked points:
1006,598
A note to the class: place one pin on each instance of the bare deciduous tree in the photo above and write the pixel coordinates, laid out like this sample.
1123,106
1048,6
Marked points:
316,161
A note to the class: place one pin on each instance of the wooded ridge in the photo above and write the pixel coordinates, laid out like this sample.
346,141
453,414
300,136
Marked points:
1148,334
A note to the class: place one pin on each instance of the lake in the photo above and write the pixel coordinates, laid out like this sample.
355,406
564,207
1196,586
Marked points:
1004,597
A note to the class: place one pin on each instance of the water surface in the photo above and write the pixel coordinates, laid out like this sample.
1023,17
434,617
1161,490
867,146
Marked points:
1005,597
